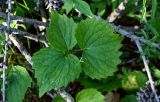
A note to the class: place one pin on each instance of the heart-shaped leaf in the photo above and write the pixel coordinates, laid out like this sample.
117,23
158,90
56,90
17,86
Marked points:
100,48
53,69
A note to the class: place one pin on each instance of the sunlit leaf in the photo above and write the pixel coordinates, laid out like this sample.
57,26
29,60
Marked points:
89,95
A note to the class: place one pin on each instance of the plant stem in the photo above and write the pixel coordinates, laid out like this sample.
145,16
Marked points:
5,60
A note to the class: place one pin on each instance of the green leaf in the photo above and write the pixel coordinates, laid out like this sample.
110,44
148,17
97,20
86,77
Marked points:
129,98
155,23
134,81
2,39
157,82
61,32
83,7
68,5
19,11
89,95
156,72
58,99
100,48
53,69
99,7
18,82
30,4
109,85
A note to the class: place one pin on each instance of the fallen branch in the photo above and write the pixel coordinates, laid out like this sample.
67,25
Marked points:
37,38
134,37
64,95
24,20
147,70
21,48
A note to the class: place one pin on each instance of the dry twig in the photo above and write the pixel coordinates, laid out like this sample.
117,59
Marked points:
5,57
117,12
24,20
151,82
